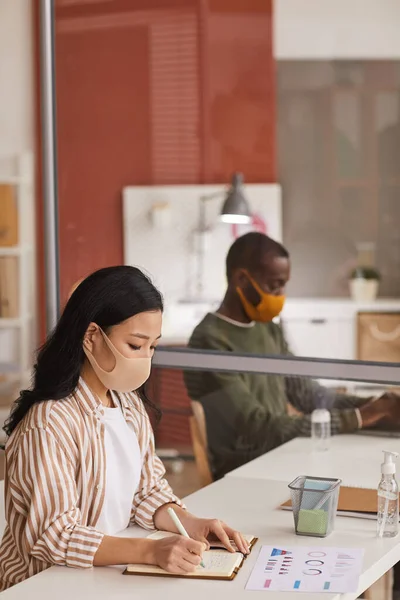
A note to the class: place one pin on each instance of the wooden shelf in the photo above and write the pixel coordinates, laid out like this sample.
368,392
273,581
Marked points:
13,180
12,323
14,250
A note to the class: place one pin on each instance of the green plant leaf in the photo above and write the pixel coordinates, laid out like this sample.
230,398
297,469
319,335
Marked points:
366,273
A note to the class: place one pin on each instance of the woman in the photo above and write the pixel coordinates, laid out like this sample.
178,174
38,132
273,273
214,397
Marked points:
80,457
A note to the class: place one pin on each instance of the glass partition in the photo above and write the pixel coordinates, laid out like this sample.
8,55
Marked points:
338,133
246,414
158,104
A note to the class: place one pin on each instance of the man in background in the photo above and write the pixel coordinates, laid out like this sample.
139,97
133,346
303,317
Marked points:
248,414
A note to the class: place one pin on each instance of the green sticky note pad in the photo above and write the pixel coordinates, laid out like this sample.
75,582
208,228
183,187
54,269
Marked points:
312,522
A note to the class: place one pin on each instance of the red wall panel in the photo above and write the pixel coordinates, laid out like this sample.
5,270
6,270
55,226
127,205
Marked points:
240,91
166,91
103,142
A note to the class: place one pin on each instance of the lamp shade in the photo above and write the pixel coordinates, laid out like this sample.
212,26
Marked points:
236,208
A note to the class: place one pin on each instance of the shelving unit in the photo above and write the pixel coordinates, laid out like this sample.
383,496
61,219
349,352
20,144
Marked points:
18,334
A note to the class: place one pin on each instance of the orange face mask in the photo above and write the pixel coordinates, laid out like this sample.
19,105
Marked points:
268,308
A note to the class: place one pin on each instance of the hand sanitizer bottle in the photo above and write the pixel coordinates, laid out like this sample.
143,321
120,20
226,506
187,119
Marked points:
321,429
388,498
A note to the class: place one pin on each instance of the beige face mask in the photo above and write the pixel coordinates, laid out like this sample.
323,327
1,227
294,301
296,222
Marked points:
127,375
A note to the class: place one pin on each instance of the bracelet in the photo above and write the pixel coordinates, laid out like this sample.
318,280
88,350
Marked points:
359,418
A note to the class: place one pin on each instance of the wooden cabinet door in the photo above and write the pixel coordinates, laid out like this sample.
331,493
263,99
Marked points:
378,337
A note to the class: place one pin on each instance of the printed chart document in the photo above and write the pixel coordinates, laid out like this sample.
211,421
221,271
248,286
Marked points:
307,569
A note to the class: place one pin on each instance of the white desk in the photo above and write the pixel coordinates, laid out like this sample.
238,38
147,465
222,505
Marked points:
249,505
355,459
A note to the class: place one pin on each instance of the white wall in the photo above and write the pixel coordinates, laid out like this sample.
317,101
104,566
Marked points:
16,81
326,29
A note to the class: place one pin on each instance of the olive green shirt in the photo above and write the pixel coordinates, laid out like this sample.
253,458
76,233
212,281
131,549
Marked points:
246,413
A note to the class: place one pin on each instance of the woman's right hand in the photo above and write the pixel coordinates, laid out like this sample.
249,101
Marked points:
177,554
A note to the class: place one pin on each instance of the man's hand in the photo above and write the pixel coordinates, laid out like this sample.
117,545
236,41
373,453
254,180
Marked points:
392,399
292,411
386,407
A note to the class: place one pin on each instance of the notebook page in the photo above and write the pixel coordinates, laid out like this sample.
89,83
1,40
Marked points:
216,564
222,563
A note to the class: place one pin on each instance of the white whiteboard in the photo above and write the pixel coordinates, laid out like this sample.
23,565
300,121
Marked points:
168,254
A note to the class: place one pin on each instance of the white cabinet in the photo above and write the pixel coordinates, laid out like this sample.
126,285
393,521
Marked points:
319,328
321,338
314,328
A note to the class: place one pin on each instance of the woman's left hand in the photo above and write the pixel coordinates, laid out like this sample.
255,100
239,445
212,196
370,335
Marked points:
207,530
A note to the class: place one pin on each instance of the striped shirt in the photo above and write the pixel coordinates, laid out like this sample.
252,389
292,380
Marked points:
55,484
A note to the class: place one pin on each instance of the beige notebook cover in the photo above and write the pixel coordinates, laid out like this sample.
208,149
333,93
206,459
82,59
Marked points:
353,502
219,563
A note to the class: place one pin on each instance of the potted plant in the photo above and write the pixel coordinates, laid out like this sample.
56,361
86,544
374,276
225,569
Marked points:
364,284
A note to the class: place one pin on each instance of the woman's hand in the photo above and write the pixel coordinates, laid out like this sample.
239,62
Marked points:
176,554
208,530
202,530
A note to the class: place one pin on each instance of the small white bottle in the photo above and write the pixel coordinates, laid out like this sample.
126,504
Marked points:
321,429
388,498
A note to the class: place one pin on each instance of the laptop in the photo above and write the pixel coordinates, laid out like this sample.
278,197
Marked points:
385,431
379,433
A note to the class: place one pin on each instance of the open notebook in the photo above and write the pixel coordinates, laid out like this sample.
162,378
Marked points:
218,562
353,502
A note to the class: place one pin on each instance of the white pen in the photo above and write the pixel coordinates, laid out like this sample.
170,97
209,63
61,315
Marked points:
180,527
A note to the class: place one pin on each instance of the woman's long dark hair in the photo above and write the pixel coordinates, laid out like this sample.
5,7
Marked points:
107,297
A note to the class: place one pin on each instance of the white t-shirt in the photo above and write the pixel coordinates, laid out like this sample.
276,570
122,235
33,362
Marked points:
123,469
